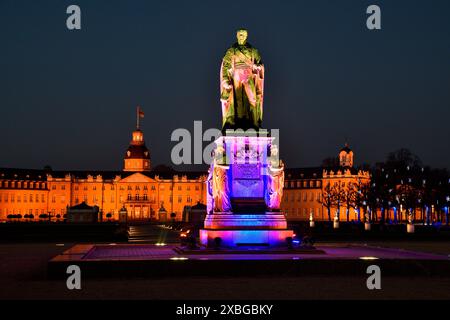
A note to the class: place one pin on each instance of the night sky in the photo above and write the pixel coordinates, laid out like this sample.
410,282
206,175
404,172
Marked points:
68,98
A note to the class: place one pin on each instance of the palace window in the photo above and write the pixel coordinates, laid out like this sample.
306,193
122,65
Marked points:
129,197
153,188
25,197
145,197
85,198
31,198
180,199
136,197
53,199
145,188
37,198
94,188
42,198
54,187
76,188
137,188
197,188
189,200
63,187
179,188
85,188
76,200
129,188
188,188
112,198
112,187
12,198
305,196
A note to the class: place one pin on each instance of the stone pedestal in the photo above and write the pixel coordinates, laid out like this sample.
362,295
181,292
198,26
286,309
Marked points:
410,228
367,226
244,191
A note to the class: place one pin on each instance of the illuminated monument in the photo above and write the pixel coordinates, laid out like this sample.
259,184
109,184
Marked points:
246,177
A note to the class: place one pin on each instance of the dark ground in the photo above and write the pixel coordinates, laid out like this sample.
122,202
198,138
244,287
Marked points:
23,276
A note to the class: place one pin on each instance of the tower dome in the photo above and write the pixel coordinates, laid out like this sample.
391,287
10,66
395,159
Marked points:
137,156
346,157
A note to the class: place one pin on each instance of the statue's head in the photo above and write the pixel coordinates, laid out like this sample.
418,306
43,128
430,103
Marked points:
241,36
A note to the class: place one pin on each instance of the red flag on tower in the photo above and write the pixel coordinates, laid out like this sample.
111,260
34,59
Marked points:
140,112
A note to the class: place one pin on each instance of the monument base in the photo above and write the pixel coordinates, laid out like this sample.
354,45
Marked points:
245,238
230,230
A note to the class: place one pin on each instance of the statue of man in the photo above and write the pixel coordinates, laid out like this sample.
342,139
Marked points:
242,86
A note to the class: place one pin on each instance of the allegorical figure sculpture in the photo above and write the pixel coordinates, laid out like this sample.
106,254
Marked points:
221,191
242,86
275,181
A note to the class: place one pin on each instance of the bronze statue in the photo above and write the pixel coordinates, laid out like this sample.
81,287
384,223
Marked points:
242,86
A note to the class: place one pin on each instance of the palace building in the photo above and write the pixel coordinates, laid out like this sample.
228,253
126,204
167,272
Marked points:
305,189
157,194
146,194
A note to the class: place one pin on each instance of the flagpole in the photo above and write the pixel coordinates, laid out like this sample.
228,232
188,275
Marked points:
137,117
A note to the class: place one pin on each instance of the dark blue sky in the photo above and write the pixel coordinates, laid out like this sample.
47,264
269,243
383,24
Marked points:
68,98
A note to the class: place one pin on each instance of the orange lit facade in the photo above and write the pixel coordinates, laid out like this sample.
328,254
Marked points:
305,188
138,189
144,192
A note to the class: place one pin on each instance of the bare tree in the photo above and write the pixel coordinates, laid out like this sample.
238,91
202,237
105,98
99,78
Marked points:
326,199
338,197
